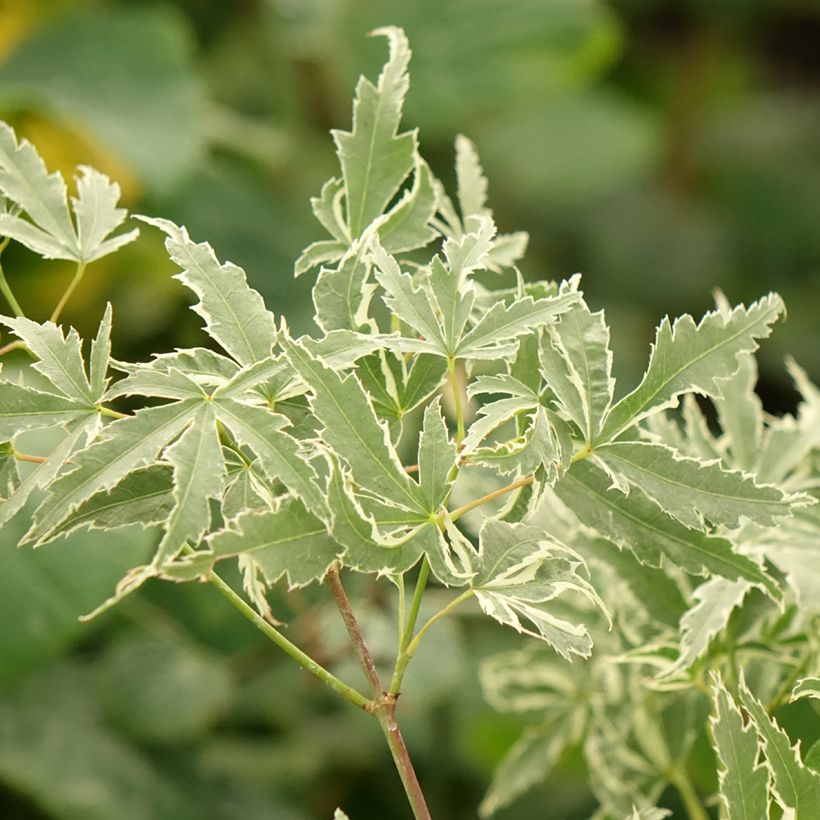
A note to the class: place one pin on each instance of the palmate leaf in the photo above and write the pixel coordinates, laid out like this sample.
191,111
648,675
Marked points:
692,358
121,448
49,229
520,570
288,541
636,522
375,159
690,490
744,785
234,313
794,785
278,453
715,599
351,428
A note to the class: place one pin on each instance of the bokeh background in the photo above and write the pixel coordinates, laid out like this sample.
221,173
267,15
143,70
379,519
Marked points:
661,148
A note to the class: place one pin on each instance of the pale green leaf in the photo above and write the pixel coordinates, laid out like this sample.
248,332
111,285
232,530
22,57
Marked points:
205,367
520,571
788,441
693,358
341,348
95,208
715,600
793,785
690,490
652,813
100,355
151,382
247,491
806,688
59,357
42,196
493,415
502,324
407,226
25,181
741,414
637,523
9,477
122,446
351,428
341,295
328,209
45,472
23,408
366,550
437,458
234,313
470,180
18,229
287,541
323,252
143,497
409,302
545,444
581,339
278,453
338,814
375,159
199,475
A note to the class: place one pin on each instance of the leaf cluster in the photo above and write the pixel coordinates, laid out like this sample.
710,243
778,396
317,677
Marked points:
629,534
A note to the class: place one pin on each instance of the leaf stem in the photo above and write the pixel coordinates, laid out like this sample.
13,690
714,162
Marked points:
789,682
78,275
457,403
385,702
15,345
679,778
6,288
27,457
304,660
409,627
521,482
410,650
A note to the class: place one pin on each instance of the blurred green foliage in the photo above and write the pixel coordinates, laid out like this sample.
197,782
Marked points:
662,148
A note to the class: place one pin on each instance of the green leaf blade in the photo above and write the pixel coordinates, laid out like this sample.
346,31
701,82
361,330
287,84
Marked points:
234,313
375,159
688,488
693,358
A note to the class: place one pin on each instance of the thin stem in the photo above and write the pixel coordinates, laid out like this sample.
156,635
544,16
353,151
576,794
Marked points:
78,275
679,778
456,388
407,654
27,457
385,702
6,288
411,468
15,345
521,482
347,692
418,594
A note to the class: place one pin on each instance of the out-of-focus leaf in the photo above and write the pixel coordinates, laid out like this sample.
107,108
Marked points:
55,749
162,690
